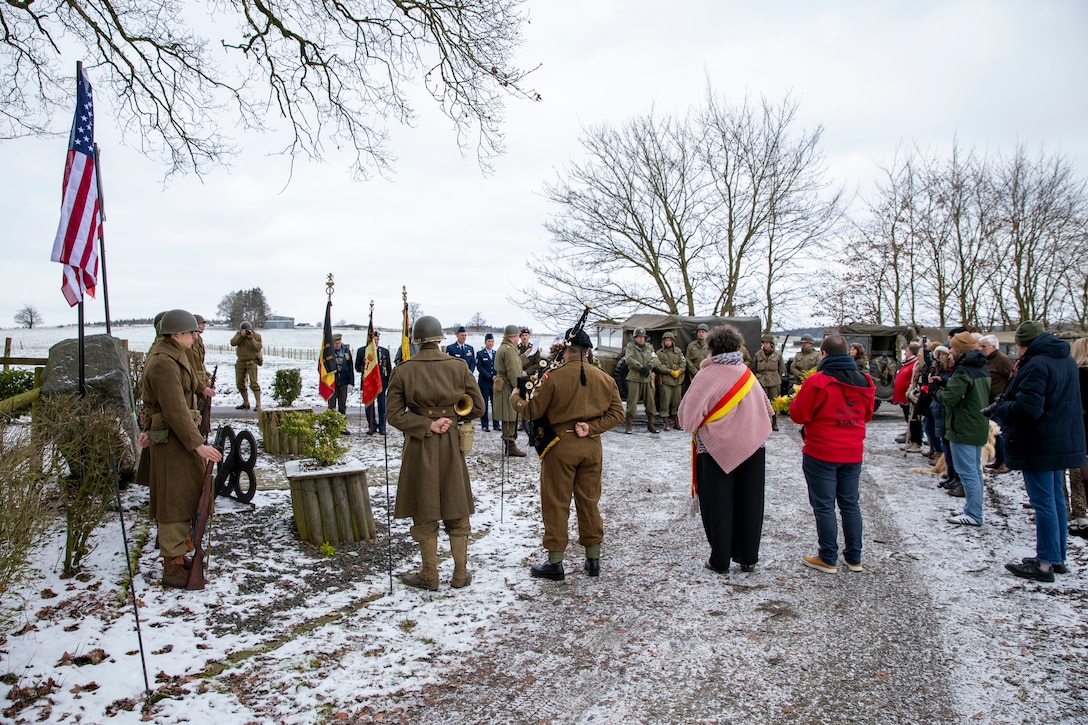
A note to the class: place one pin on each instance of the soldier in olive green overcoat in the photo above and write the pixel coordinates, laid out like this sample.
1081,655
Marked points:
433,483
176,449
508,368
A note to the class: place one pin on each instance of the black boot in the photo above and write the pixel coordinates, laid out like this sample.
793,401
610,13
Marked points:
548,570
593,567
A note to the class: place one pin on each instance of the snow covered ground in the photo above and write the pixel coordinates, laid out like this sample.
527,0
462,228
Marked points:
934,631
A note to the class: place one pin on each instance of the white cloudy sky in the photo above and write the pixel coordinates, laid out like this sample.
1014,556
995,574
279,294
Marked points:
876,75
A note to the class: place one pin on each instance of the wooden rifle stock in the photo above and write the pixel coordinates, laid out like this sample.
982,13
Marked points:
200,527
206,409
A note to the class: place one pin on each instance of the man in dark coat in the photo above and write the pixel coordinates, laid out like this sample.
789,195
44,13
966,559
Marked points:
433,483
580,402
375,412
485,373
177,451
345,375
1041,410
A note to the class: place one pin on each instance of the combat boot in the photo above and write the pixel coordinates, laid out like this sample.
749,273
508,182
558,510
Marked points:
257,400
513,450
774,422
650,425
173,572
245,402
427,576
630,420
666,425
462,577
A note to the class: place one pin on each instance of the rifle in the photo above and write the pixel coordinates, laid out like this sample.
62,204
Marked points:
200,526
206,409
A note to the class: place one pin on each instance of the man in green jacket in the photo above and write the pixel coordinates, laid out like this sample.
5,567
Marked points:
963,396
805,361
697,350
641,359
769,368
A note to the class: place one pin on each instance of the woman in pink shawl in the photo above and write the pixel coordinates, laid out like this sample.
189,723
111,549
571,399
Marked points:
728,413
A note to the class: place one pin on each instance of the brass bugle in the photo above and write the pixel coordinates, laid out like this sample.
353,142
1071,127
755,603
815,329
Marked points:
463,406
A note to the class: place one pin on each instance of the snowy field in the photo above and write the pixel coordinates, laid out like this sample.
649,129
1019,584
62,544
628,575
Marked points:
934,631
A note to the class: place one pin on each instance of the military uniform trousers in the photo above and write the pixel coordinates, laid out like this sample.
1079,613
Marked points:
242,370
670,399
772,391
572,468
731,505
637,391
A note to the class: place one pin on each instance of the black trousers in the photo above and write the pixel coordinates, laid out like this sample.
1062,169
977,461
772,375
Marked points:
731,505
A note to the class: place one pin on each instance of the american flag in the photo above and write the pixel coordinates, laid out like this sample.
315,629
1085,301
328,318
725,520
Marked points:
80,219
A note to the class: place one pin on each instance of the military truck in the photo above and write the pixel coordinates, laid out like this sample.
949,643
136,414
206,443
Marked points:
884,345
612,338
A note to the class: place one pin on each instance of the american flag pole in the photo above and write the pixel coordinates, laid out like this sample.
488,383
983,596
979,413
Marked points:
81,346
102,235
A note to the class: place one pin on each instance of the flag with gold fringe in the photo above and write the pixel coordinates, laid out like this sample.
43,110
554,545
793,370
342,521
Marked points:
326,364
406,330
372,376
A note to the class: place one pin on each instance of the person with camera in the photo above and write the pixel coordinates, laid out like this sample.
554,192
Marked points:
248,344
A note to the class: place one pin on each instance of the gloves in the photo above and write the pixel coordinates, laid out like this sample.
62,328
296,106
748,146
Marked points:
523,385
989,410
647,369
675,373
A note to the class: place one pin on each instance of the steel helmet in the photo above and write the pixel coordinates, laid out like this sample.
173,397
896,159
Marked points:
639,332
176,322
427,329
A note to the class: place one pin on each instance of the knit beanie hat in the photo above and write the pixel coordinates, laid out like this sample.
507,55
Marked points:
1028,331
941,348
962,342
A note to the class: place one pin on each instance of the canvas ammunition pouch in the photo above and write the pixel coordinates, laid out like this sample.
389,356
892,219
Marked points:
159,432
500,384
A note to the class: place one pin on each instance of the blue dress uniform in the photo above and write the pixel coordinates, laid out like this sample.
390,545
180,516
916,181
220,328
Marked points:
463,351
485,370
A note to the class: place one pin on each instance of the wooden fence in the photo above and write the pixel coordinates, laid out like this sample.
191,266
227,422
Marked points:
292,353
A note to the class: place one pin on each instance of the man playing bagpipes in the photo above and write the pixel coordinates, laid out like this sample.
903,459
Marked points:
576,402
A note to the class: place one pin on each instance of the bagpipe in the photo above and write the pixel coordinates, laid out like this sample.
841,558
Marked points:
542,435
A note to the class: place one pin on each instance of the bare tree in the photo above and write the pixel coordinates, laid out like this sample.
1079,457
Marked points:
335,72
629,230
770,204
28,316
1043,211
477,322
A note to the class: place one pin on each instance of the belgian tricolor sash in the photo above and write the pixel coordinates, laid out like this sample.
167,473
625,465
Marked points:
719,410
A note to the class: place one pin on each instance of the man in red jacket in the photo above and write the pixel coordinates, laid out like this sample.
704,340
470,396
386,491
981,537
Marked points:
833,406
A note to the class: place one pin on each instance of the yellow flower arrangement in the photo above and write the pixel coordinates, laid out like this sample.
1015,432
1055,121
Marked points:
781,404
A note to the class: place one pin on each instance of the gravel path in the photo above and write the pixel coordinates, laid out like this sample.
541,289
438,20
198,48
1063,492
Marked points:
659,639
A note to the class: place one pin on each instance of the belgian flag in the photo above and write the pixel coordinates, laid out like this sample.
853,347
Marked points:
326,364
372,376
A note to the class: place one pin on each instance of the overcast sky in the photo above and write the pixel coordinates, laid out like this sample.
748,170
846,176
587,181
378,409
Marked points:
876,75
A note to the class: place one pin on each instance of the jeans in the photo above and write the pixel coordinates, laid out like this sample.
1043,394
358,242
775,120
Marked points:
969,469
829,483
1046,491
930,428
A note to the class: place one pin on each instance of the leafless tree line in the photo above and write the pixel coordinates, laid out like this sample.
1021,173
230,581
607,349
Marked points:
968,239
331,73
706,214
728,211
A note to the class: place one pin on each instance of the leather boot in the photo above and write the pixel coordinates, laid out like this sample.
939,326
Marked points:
513,450
774,422
173,572
257,400
462,577
245,402
650,425
427,576
630,420
667,425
